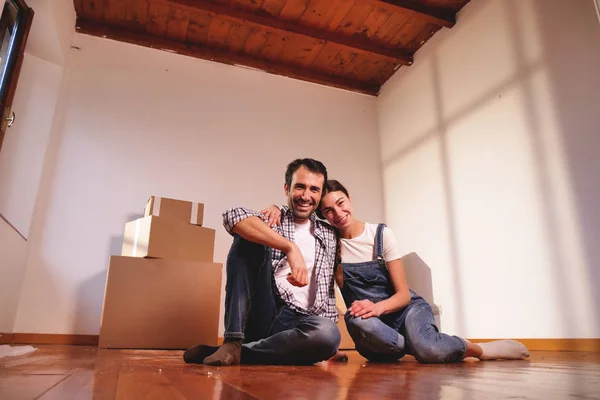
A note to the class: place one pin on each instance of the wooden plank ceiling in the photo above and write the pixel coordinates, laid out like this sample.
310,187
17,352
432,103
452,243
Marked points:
350,44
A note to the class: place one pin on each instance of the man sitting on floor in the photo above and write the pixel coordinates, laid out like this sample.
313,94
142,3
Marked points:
280,299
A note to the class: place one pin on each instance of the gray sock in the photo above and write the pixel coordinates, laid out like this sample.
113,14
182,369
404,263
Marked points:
505,349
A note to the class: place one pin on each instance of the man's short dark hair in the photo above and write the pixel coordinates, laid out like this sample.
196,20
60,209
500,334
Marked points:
310,164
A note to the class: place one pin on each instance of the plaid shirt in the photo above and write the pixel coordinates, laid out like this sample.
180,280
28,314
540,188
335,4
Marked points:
325,250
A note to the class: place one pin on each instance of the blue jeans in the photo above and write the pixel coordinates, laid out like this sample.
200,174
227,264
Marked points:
409,331
272,332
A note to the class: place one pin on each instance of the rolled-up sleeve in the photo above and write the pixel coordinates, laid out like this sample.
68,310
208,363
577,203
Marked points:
235,215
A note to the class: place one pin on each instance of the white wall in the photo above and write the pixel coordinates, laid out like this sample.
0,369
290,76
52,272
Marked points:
21,163
52,30
24,147
25,143
13,250
490,146
137,122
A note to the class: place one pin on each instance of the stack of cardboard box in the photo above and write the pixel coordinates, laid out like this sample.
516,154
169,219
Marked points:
164,291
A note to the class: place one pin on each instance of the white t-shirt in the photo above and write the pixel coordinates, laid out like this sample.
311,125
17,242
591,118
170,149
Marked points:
305,239
362,247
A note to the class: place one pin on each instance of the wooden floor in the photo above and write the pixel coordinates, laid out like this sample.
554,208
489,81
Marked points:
80,372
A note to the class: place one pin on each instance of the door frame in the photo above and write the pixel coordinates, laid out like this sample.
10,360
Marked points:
14,62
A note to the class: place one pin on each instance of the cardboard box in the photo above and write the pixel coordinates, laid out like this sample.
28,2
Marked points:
159,237
347,343
160,304
177,210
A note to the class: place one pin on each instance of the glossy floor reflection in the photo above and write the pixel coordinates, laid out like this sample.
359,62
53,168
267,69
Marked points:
81,372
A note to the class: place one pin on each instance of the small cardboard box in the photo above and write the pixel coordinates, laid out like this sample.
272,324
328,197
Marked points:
177,210
159,237
160,304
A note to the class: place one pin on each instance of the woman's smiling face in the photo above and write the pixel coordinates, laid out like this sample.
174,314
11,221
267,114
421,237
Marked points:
336,207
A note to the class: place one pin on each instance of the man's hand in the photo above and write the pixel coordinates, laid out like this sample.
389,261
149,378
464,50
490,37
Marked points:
272,214
365,309
299,275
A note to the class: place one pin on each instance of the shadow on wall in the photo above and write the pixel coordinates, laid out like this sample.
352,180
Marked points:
88,309
572,69
418,277
549,207
52,293
572,66
90,294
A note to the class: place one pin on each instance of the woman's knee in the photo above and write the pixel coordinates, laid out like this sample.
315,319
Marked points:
378,356
374,340
360,327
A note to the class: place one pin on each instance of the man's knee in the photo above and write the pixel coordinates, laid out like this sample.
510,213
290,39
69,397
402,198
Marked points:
325,338
242,247
246,255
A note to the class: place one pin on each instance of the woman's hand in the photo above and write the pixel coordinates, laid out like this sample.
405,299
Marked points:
365,309
272,214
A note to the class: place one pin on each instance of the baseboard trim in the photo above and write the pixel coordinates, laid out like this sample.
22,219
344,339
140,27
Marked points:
591,345
55,338
6,338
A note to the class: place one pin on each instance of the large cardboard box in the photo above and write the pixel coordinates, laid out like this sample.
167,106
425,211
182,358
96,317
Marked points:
177,210
347,343
159,237
160,304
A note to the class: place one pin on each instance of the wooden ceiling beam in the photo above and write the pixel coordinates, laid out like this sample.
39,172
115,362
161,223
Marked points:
354,43
429,14
144,39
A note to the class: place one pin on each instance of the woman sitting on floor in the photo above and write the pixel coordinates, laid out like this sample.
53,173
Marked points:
385,318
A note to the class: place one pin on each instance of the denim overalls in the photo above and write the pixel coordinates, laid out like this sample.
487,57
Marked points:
411,330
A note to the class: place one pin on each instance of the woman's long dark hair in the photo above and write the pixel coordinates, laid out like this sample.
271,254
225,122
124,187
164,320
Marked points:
334,186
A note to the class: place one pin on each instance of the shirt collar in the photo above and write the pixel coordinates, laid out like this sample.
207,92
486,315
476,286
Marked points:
318,232
289,213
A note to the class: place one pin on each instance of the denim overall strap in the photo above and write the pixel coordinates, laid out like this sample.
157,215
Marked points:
368,279
379,245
